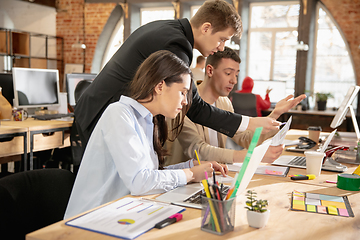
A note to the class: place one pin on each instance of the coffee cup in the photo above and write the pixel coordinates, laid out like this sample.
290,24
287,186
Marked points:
314,161
19,114
314,133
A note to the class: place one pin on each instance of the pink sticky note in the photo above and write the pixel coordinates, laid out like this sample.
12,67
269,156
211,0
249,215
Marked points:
267,171
343,212
321,209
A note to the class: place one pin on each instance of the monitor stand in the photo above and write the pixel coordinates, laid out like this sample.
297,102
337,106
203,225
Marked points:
30,111
356,126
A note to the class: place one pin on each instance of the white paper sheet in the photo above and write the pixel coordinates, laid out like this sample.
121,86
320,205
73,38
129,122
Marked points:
279,138
254,162
125,218
262,169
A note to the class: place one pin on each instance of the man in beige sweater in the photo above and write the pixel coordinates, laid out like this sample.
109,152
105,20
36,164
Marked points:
221,73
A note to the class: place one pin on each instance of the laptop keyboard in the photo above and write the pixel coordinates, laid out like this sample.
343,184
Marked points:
298,161
196,197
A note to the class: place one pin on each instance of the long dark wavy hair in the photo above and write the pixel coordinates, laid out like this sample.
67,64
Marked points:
159,66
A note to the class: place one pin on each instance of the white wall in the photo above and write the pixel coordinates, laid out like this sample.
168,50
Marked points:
30,17
27,16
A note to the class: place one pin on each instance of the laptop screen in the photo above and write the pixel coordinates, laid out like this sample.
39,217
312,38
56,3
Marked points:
328,140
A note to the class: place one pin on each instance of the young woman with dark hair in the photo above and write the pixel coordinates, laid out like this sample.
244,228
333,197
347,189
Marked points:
124,154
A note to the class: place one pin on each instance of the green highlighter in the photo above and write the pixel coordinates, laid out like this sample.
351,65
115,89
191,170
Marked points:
250,151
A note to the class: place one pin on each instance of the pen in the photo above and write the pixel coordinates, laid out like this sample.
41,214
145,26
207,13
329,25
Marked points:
172,219
214,177
283,123
304,177
197,157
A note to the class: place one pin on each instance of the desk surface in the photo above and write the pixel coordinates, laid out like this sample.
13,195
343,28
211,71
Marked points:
35,125
283,223
4,129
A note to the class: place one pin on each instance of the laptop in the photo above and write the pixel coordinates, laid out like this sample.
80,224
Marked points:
190,194
300,162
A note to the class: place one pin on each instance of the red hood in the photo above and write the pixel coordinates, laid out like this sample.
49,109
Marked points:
247,85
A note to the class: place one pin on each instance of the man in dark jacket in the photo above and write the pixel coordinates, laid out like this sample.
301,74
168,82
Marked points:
213,24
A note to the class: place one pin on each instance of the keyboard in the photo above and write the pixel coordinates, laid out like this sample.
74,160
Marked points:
298,161
196,197
52,116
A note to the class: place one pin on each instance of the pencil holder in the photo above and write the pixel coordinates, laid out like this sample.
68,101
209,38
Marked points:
217,216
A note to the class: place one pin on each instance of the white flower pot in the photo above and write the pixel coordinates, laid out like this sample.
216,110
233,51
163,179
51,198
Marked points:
257,219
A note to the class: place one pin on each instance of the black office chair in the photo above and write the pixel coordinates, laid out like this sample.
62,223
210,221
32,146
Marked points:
244,103
80,88
76,146
32,200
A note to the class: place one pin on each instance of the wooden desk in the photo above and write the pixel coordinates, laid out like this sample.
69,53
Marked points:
283,223
43,135
11,143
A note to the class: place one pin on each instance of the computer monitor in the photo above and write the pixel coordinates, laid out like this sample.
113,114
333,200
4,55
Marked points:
277,93
72,79
343,109
6,83
35,87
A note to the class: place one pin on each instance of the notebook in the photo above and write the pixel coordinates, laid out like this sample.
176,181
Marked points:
300,162
183,196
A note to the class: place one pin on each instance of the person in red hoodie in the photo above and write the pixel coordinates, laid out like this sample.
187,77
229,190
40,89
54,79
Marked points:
261,104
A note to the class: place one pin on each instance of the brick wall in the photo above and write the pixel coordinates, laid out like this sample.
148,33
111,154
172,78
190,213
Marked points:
347,14
70,26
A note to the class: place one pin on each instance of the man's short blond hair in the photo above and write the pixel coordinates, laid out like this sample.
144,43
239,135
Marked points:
220,14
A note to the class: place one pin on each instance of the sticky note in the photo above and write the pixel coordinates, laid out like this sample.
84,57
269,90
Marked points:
343,212
299,198
298,202
310,208
299,207
333,204
312,201
313,195
331,198
271,172
321,209
296,193
332,210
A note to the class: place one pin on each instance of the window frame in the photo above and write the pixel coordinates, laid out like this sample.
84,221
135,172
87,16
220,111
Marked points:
273,34
318,6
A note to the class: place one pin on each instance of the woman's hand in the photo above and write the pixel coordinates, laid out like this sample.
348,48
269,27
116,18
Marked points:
273,153
199,170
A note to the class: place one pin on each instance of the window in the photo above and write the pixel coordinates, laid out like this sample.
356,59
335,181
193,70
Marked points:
334,70
272,43
196,53
115,42
194,9
158,13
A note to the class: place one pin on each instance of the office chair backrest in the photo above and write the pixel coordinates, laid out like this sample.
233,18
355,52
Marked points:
76,145
244,103
80,88
33,199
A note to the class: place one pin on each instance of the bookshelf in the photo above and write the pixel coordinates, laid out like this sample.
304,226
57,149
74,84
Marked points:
30,50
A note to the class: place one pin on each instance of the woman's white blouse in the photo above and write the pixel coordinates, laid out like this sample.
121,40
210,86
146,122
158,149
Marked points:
120,159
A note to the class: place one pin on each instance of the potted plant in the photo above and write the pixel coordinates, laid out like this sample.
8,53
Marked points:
257,214
321,99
